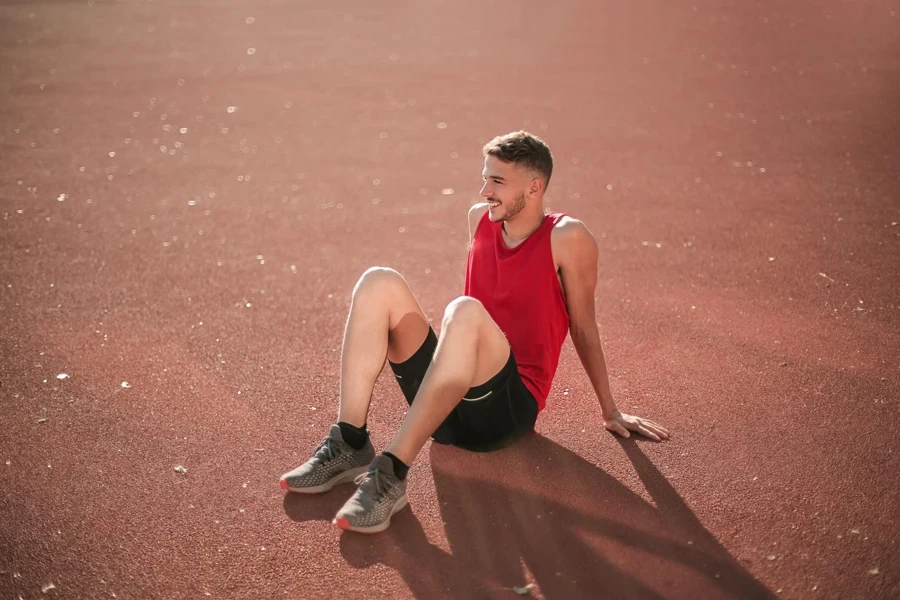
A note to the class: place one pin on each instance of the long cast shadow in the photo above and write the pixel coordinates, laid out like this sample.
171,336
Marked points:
538,512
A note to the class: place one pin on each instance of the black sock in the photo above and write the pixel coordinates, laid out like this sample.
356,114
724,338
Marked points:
400,468
354,436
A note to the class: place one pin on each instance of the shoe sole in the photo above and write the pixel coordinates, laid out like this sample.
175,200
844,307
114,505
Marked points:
343,523
345,477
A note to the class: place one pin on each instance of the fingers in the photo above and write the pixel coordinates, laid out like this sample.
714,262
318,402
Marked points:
656,428
646,432
648,429
617,427
655,425
645,427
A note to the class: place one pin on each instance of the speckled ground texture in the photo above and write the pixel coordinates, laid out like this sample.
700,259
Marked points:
189,191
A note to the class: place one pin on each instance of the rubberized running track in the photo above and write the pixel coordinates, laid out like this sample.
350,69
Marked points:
190,190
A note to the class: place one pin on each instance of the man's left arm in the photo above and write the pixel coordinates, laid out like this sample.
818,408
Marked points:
577,258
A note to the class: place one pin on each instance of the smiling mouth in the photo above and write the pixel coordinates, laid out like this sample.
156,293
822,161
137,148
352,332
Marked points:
493,204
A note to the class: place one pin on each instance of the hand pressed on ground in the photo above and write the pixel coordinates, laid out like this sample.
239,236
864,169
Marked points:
624,424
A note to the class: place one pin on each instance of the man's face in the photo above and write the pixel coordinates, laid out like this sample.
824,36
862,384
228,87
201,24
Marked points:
504,188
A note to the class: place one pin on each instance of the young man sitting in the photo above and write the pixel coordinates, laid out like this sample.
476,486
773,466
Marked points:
530,281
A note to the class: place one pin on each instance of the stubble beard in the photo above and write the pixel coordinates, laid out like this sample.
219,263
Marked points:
517,206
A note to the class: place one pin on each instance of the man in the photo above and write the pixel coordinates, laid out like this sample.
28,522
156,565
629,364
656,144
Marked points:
530,280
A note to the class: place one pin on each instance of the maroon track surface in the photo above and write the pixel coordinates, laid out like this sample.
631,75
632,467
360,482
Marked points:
736,161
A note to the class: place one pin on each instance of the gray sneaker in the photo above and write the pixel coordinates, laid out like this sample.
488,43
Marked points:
379,496
334,462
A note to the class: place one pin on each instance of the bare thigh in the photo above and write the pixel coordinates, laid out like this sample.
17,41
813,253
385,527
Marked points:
466,317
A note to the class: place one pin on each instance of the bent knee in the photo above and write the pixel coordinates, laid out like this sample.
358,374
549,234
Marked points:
378,277
464,309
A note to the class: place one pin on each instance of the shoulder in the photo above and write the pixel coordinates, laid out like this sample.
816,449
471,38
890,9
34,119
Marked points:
572,240
569,231
476,212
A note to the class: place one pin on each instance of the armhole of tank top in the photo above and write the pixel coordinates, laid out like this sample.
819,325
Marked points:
481,221
555,219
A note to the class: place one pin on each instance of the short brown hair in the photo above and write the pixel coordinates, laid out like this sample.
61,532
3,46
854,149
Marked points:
524,150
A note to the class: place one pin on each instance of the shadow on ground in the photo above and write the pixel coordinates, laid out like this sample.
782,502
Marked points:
540,513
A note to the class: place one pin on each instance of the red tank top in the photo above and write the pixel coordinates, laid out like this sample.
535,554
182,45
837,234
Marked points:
520,290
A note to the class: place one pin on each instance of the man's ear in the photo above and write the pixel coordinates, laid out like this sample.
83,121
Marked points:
537,186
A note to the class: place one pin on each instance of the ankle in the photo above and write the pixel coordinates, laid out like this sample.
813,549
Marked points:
400,467
355,437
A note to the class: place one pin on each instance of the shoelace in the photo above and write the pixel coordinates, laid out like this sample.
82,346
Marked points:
326,450
382,486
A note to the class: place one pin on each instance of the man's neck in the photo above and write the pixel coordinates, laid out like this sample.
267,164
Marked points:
520,227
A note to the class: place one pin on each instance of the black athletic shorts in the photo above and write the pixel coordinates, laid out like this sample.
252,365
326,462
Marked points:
489,417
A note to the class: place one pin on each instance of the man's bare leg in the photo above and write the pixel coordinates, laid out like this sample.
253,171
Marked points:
385,321
471,350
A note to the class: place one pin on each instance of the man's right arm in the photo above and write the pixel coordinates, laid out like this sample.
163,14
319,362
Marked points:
475,214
